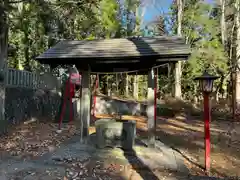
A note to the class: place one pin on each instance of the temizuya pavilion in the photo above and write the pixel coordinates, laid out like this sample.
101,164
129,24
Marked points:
112,55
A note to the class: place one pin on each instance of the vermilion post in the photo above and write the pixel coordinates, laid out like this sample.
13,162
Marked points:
71,95
65,97
155,100
207,119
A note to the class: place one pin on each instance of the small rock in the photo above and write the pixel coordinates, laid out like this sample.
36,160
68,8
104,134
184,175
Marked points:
59,131
80,173
51,148
75,175
71,173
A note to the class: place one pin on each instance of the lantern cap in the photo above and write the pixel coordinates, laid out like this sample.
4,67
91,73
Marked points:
206,76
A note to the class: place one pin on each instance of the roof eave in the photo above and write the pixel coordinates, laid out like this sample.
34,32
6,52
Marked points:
157,56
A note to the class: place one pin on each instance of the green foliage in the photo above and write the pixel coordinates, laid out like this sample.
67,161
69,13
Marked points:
34,26
201,30
108,20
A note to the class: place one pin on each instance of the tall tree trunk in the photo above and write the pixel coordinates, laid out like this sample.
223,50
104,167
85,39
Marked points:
223,38
3,57
232,84
128,17
137,27
178,66
135,87
126,85
117,85
237,22
223,23
26,53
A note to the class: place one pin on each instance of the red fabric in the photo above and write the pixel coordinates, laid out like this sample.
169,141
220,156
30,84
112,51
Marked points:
76,78
72,89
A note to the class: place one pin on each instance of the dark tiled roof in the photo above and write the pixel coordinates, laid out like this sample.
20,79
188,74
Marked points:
118,48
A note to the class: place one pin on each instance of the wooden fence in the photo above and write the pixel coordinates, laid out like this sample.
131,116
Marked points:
25,79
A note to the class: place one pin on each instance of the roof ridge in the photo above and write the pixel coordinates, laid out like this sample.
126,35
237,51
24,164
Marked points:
130,37
118,48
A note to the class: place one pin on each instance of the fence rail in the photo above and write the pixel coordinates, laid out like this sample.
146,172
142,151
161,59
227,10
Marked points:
19,78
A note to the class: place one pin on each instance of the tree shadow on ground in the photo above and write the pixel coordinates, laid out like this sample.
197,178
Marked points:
188,134
136,168
183,144
185,137
219,135
143,170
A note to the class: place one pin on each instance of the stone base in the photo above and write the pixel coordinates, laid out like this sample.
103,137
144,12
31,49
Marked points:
85,132
114,133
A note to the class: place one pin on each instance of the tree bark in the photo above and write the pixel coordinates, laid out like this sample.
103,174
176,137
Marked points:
135,87
3,56
129,3
237,43
178,65
223,23
137,27
126,85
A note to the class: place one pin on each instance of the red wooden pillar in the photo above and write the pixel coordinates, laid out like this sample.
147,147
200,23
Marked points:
207,119
68,95
71,95
155,99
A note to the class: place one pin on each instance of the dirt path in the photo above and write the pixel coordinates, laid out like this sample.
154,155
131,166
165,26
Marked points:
32,139
27,142
25,153
34,151
187,136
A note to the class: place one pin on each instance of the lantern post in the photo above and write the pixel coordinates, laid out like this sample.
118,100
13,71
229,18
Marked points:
206,86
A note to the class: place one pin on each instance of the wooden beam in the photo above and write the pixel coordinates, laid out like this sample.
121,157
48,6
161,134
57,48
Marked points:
150,109
85,103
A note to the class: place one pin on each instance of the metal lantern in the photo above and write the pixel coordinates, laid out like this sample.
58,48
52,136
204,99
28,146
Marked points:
206,82
206,85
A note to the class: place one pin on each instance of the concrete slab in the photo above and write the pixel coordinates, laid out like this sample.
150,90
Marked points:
169,152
